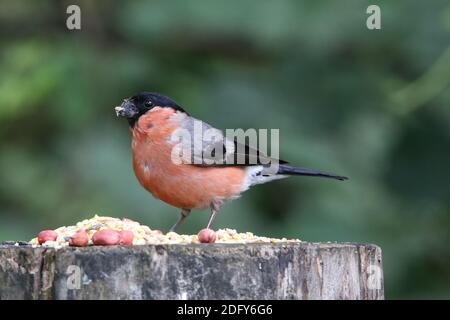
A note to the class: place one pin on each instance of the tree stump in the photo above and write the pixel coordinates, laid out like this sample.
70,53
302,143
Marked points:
204,271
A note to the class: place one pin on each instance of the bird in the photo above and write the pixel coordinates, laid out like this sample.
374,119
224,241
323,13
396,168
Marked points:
153,119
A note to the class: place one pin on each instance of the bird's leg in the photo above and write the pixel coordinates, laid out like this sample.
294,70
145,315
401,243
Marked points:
215,206
183,215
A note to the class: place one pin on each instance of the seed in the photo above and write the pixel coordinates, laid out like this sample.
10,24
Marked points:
79,239
106,237
207,236
47,235
126,237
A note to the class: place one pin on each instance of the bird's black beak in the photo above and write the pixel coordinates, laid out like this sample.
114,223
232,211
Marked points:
127,109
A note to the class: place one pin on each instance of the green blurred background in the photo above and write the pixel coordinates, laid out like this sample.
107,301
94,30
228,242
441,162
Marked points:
373,105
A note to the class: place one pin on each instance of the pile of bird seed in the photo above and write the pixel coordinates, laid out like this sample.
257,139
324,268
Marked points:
101,230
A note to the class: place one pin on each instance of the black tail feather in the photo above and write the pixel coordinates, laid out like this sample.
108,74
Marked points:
291,170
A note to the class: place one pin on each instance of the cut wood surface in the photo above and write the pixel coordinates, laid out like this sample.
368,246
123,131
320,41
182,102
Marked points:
205,271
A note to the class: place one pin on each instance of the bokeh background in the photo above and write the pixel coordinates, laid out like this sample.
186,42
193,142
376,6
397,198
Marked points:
373,105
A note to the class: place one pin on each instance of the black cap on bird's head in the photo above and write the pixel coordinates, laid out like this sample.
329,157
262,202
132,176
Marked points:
137,105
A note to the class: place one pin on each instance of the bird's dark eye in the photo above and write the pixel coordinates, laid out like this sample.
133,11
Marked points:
149,103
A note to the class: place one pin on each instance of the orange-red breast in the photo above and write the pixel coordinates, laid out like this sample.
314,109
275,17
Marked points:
153,120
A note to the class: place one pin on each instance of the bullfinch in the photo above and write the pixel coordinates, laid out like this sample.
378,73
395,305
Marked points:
196,178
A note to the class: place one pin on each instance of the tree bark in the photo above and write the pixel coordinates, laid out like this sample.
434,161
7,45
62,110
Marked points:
211,271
